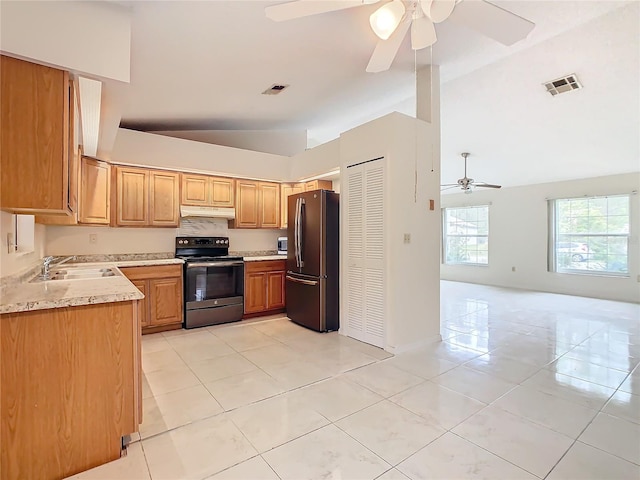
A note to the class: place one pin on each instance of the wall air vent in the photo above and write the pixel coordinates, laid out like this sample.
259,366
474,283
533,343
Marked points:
563,84
275,89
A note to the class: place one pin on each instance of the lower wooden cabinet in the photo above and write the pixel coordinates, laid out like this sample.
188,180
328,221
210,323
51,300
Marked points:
71,388
264,287
162,306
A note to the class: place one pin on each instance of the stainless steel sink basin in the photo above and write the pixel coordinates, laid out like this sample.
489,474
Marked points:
78,273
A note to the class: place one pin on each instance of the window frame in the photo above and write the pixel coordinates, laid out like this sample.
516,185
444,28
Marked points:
445,235
552,258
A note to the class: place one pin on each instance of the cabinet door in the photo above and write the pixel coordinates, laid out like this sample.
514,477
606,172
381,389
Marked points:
275,290
318,185
269,205
287,189
95,181
195,189
132,190
247,204
255,292
165,297
143,305
34,139
222,192
164,190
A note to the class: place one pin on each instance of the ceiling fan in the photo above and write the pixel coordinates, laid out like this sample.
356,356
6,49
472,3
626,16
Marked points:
392,20
465,183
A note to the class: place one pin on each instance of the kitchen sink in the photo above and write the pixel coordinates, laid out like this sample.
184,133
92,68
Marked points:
78,273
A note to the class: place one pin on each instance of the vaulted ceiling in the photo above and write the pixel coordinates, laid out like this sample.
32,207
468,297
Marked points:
203,65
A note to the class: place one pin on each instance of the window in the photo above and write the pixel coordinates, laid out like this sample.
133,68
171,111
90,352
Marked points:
590,235
466,235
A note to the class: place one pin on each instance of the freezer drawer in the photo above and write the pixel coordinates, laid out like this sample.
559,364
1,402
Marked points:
307,302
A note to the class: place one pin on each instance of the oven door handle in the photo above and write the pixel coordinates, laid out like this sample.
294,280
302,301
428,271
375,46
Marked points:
300,280
214,264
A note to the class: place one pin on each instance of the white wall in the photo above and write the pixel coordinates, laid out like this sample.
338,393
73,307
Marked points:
12,263
278,142
141,148
88,37
413,285
518,229
316,161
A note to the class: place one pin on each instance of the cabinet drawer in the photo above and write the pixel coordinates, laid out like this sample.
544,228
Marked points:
265,266
154,271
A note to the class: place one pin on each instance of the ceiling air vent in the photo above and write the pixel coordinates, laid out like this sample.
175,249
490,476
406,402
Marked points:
274,89
563,84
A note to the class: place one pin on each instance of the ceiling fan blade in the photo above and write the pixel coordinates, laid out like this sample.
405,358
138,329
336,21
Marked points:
305,8
423,33
440,10
486,185
450,185
449,188
492,21
386,50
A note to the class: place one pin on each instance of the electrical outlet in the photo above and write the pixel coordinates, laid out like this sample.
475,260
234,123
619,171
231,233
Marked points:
407,238
513,269
93,238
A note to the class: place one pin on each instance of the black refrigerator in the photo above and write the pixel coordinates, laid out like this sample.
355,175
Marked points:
312,287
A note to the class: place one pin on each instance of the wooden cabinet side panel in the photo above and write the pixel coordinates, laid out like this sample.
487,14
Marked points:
69,412
164,207
195,190
95,192
132,186
287,189
165,297
269,205
275,290
34,137
255,292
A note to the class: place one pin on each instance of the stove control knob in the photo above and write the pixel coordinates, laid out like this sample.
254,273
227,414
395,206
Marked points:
217,242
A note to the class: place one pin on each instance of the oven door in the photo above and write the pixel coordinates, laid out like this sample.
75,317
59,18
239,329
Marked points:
213,284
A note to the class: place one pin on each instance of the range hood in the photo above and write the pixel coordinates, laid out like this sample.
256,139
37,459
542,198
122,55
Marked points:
209,212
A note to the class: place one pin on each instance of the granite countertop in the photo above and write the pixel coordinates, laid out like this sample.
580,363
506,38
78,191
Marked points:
264,257
20,295
27,296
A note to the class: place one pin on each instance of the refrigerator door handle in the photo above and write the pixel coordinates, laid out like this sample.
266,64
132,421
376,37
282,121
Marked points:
295,232
300,239
301,280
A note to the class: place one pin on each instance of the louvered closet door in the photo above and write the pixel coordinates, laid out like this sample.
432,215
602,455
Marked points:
366,255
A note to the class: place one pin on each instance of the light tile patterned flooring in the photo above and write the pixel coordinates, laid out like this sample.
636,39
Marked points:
525,385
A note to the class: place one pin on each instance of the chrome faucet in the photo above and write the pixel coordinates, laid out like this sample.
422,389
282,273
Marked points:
46,264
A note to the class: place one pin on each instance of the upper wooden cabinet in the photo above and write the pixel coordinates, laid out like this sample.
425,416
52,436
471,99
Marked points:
35,156
269,205
287,189
95,192
204,190
145,198
257,204
318,185
164,194
132,197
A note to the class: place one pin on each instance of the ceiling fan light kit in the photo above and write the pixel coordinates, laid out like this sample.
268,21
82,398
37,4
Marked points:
386,19
391,22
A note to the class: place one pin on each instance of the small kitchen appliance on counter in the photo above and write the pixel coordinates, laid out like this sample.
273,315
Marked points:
282,245
213,281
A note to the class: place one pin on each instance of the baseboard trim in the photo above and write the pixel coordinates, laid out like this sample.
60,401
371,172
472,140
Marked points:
397,349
